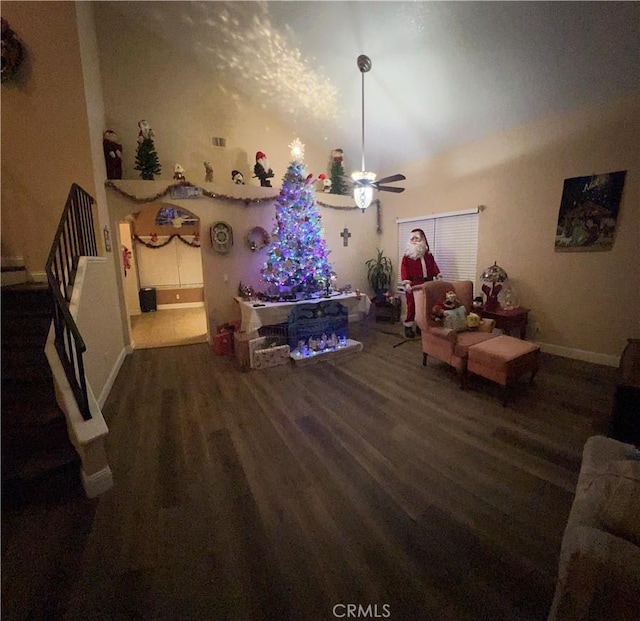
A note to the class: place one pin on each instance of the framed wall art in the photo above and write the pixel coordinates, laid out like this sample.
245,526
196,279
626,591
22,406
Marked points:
589,212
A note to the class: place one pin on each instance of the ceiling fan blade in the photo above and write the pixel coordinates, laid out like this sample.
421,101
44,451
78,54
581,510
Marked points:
389,188
391,179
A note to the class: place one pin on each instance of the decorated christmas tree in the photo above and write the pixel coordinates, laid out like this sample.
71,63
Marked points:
338,184
298,257
146,157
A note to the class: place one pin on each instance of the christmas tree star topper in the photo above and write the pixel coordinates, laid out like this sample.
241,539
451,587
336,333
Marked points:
297,151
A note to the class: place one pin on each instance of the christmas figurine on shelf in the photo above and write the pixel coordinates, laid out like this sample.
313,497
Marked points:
418,266
144,130
208,173
112,154
324,183
237,177
146,157
262,170
178,173
338,184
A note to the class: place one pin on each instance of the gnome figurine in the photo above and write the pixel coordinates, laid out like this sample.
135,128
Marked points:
262,170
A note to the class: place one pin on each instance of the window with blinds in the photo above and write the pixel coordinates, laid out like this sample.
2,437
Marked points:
453,241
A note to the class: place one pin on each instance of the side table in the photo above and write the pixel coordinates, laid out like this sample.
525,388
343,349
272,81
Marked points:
388,309
510,320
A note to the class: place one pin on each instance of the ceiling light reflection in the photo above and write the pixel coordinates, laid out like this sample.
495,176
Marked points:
257,59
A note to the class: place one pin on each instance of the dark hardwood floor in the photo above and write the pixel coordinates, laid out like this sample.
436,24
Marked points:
281,493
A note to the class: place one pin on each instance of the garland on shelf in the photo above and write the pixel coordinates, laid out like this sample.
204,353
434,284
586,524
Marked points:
212,195
193,244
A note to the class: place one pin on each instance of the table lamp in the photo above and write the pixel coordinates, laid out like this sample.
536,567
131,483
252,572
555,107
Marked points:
493,277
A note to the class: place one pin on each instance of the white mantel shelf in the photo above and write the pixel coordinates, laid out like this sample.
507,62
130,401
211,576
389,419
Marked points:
144,189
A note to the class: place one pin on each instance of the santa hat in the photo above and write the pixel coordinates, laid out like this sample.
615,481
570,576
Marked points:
423,236
260,156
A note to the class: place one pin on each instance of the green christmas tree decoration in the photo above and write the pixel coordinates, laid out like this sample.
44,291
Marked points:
298,259
147,160
338,184
146,156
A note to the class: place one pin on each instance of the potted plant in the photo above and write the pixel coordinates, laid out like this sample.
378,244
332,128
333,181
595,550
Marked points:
379,270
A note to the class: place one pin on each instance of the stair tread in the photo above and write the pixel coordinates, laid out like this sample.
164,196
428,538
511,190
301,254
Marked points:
36,464
35,438
53,486
29,414
27,286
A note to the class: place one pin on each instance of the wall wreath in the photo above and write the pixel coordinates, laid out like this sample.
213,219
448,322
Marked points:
258,238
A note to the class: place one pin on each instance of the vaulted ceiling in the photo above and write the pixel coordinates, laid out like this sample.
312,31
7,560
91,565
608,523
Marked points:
443,73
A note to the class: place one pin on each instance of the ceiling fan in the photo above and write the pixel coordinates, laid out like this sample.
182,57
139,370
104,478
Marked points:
364,183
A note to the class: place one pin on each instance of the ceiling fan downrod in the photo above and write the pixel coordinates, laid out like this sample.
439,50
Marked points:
364,64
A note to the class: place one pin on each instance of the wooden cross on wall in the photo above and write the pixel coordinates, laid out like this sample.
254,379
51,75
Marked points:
345,236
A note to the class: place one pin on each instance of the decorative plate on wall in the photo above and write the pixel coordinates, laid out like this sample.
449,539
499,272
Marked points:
257,238
221,237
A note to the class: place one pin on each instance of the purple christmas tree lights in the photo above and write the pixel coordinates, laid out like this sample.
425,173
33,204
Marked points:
298,258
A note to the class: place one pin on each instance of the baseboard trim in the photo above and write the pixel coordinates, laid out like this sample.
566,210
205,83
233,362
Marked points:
183,305
39,276
98,482
14,276
12,263
112,377
580,354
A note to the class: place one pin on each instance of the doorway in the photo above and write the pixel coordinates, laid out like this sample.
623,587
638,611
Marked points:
169,327
160,255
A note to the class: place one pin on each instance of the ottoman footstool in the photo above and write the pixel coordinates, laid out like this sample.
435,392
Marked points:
503,359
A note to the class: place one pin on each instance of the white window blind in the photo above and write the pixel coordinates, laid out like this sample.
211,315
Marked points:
453,241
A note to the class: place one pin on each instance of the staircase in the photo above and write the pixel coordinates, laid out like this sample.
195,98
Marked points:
37,455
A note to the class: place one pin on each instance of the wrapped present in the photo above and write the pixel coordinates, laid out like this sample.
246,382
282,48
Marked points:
241,346
223,344
261,355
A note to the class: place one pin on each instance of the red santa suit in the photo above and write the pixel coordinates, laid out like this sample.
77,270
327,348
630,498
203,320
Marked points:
418,266
262,170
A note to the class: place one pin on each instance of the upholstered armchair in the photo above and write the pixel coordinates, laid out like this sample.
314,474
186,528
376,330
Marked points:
447,344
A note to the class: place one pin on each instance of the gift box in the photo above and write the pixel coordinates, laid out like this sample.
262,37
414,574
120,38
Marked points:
241,346
223,344
262,356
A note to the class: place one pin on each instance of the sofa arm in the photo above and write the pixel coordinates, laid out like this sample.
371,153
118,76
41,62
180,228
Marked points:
487,325
447,334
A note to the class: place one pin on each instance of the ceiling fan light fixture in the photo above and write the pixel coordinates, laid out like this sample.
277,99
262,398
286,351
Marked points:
362,188
364,183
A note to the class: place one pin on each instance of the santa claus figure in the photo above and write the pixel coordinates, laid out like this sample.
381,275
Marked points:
145,132
262,170
418,266
112,154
